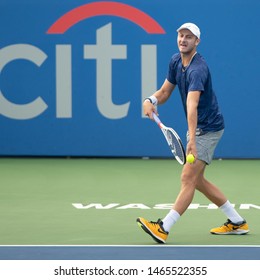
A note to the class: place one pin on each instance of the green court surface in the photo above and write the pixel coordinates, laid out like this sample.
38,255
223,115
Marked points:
47,201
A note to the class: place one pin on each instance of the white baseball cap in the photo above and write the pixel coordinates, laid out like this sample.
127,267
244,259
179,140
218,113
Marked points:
192,27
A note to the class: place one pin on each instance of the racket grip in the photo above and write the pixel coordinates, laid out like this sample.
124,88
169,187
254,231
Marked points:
157,120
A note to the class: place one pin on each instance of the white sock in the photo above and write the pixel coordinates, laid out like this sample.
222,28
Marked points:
170,219
231,213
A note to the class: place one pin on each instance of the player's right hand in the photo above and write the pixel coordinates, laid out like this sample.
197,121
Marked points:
148,109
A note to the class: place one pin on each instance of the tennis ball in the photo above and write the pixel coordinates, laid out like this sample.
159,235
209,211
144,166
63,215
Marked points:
190,158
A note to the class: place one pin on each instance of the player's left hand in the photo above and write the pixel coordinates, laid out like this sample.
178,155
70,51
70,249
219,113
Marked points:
191,148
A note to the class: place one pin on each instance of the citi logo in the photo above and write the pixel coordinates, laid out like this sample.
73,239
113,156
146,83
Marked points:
104,53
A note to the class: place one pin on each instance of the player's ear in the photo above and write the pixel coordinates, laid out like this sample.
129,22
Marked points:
197,41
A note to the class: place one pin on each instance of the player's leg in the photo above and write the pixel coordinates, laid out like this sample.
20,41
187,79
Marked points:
235,223
159,230
212,192
189,177
206,144
191,172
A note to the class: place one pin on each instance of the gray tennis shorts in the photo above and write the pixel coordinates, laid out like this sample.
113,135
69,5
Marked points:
206,144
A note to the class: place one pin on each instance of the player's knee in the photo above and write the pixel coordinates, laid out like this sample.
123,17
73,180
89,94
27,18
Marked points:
187,178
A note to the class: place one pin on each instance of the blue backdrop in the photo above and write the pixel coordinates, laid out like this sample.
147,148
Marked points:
74,74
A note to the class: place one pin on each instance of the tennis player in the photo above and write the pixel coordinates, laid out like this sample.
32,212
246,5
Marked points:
189,71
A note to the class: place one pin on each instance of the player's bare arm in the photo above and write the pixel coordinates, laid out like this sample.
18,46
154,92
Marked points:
192,119
164,92
162,95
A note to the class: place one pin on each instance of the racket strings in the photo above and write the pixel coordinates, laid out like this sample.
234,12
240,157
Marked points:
175,145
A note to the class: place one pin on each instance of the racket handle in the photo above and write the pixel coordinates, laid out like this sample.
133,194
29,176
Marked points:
157,120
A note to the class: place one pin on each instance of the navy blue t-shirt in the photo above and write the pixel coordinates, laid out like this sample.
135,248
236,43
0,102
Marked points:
196,77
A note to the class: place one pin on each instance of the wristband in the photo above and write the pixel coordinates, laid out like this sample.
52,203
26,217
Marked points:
152,99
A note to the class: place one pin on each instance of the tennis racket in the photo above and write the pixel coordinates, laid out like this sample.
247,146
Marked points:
173,140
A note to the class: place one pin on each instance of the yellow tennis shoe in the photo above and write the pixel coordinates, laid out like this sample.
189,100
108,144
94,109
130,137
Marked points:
155,229
231,228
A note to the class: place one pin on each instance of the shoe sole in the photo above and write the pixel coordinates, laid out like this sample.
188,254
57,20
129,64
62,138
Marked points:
239,232
145,229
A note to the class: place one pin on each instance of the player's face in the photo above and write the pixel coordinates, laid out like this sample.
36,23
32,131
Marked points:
187,41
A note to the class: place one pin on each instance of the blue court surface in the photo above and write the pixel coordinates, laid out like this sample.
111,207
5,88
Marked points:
130,253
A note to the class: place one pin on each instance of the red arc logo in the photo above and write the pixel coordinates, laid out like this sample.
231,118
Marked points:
125,11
